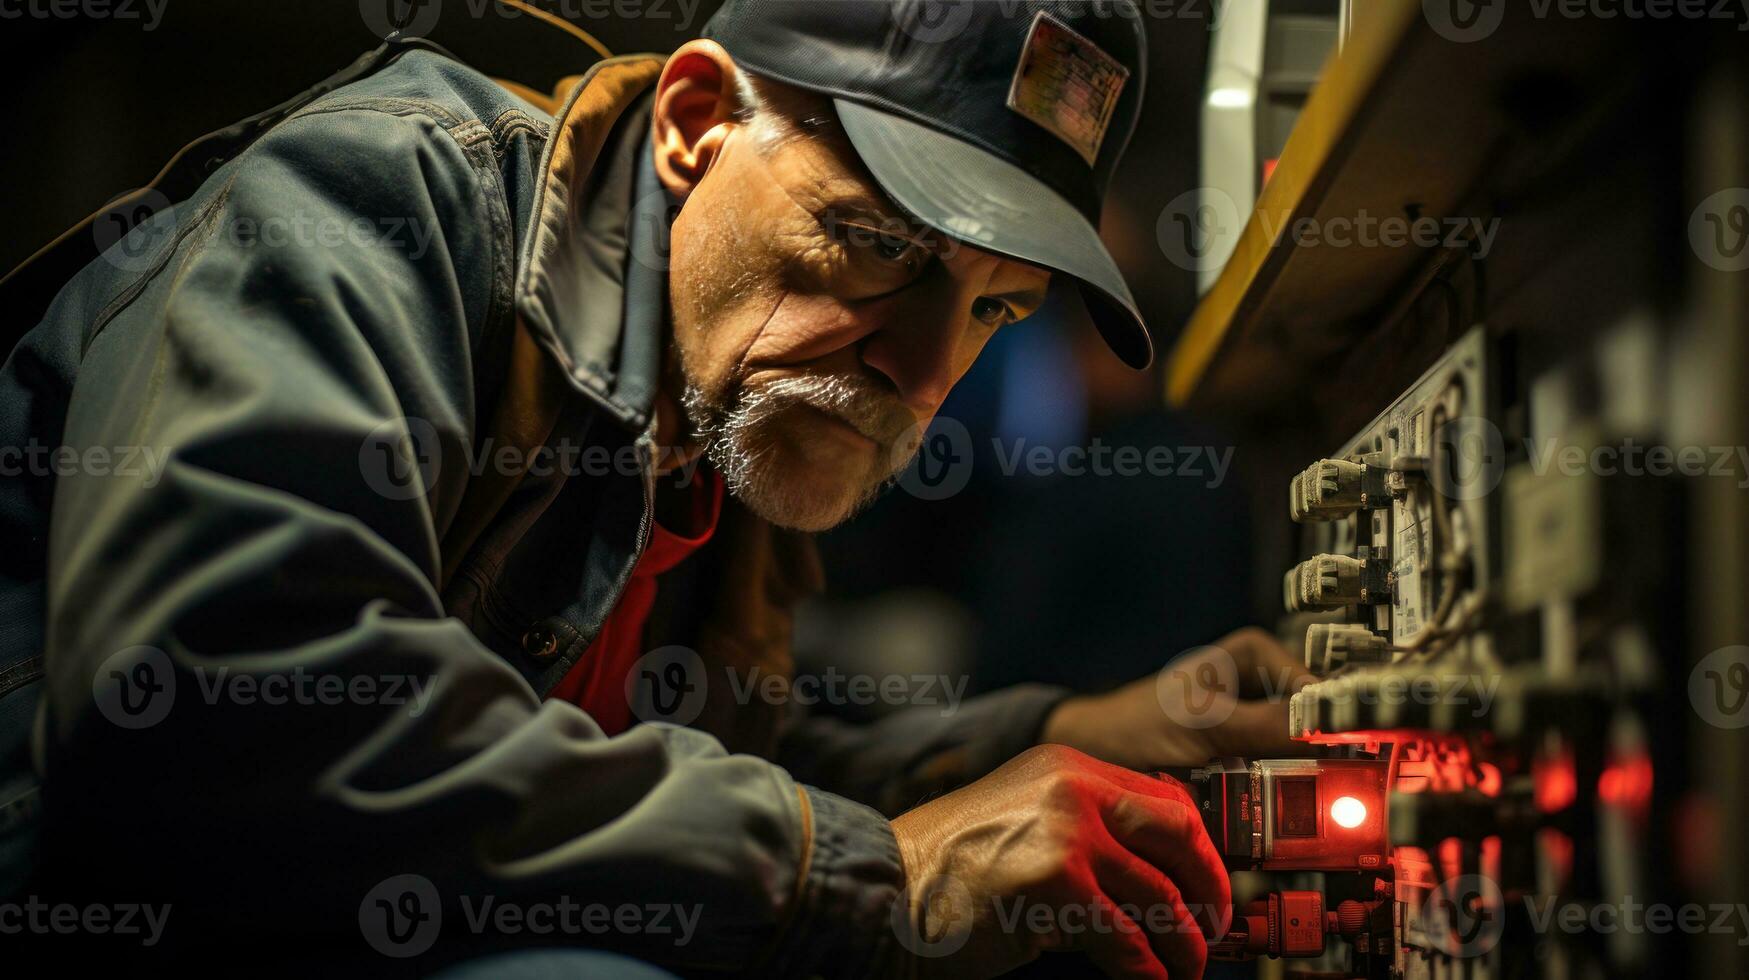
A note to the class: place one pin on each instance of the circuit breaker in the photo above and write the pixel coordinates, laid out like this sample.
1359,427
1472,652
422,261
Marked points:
1432,560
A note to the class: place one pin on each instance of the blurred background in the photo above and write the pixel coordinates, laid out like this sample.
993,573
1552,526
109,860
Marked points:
1021,575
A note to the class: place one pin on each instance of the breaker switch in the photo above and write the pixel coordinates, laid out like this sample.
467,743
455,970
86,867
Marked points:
1334,581
1334,488
1333,646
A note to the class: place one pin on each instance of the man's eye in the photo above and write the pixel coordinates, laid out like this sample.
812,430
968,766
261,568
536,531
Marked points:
992,312
892,248
884,247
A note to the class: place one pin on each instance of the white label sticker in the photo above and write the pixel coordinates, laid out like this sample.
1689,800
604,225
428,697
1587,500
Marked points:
1066,84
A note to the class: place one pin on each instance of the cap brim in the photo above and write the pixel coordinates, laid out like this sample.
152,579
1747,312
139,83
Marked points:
969,193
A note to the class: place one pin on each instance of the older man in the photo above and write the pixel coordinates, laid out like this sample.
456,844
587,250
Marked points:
469,436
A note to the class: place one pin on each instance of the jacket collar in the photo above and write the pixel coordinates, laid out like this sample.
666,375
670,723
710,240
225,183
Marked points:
571,288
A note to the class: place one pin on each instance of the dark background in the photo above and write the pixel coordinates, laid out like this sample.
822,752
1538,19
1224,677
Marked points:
98,103
1079,581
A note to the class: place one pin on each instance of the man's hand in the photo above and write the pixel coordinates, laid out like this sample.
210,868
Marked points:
1059,851
1230,698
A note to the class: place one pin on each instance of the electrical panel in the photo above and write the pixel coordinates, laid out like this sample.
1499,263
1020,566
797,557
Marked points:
1480,633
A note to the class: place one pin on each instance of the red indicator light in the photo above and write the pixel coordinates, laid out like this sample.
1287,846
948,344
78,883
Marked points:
1348,812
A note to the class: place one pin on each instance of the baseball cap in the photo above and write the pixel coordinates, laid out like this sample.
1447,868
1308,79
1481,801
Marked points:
997,122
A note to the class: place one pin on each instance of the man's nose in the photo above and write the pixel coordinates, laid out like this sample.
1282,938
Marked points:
918,349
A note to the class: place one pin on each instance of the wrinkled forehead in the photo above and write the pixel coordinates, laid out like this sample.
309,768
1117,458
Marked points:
809,151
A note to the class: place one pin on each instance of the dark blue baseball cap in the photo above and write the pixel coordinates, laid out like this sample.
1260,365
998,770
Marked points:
997,122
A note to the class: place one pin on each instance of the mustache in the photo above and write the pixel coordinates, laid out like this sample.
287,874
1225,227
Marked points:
862,404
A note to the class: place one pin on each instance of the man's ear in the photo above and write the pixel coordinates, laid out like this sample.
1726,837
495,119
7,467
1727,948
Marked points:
695,102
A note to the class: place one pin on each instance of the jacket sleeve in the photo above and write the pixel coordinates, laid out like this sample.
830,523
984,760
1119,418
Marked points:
257,709
902,760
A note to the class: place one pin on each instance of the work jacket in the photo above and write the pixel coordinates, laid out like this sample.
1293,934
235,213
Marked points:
295,616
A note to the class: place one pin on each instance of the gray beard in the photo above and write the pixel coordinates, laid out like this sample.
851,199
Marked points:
740,448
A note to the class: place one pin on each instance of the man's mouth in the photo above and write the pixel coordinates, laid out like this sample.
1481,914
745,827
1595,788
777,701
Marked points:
844,426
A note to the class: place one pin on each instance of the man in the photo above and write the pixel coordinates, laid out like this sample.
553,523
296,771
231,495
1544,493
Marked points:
345,659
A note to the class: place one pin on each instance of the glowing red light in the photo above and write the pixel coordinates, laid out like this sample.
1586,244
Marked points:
1627,783
1348,812
1557,786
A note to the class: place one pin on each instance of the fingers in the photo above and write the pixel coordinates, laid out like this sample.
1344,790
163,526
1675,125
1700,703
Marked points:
1158,908
1124,951
1266,668
1258,729
1168,834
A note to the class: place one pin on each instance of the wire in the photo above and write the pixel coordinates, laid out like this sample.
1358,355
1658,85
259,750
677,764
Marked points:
1449,563
561,23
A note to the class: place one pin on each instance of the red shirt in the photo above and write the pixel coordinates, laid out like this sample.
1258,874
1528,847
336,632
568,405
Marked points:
597,682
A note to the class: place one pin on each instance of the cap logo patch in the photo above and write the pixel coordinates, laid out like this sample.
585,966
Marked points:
1066,84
